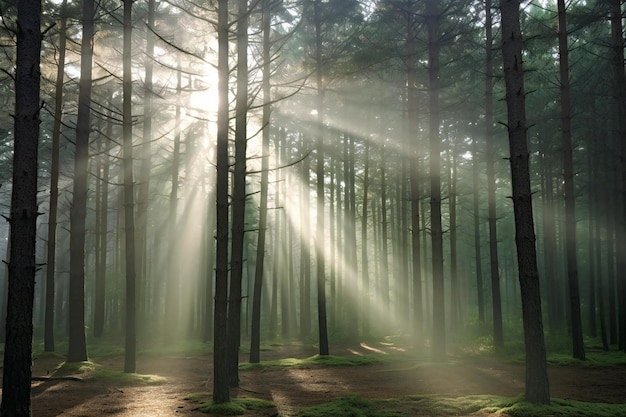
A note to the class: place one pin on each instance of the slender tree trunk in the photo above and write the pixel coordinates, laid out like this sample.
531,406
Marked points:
255,332
595,270
365,243
480,296
384,241
537,388
101,231
455,299
305,252
282,271
129,196
239,194
143,184
568,183
221,391
439,320
54,186
16,384
172,297
77,350
413,132
494,268
617,35
334,237
319,232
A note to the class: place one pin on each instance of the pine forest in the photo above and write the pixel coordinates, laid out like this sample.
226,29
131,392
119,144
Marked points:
354,184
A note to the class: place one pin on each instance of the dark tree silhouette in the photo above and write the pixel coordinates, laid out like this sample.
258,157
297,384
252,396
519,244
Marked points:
537,389
23,218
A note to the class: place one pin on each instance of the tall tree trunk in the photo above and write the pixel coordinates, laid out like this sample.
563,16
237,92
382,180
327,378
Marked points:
617,35
439,320
239,194
480,296
334,232
129,195
494,268
455,299
595,269
54,185
319,232
221,387
172,283
77,350
384,241
413,133
101,231
255,332
143,183
305,252
537,388
578,348
16,384
365,243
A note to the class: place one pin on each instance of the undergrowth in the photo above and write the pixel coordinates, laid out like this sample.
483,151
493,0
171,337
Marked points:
237,406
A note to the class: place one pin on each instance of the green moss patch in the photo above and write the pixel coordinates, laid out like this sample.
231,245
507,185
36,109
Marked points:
236,407
565,408
356,406
315,361
90,371
352,406
594,359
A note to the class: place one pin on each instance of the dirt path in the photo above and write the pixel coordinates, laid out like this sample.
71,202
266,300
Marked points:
290,388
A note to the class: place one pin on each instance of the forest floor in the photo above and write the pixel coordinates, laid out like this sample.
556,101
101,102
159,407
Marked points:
291,388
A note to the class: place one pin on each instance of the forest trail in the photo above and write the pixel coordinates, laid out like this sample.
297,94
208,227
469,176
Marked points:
293,387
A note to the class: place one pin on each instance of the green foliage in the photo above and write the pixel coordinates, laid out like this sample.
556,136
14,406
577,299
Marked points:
237,406
316,360
351,406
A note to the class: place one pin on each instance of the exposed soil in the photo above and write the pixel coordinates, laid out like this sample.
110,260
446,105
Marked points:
290,388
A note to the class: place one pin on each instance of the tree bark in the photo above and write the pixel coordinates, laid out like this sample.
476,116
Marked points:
239,194
494,268
23,217
537,388
319,232
129,195
143,183
619,89
439,319
77,350
221,391
255,332
54,185
414,190
578,349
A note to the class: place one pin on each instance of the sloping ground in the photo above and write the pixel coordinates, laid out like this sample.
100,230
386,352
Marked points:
291,388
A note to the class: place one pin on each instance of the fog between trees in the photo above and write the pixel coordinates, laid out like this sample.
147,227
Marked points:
338,168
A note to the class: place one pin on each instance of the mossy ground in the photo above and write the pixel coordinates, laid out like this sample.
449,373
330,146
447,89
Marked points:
91,371
237,406
316,360
357,406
